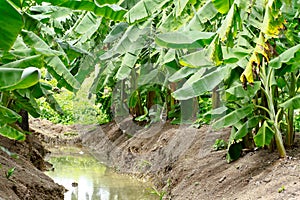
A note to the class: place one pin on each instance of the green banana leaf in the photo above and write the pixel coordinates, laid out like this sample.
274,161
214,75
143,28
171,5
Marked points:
222,6
203,84
12,78
245,128
293,103
36,60
264,135
285,57
233,117
105,77
110,11
132,40
197,59
127,65
182,73
11,133
116,32
144,9
8,116
184,39
206,13
11,23
238,91
179,6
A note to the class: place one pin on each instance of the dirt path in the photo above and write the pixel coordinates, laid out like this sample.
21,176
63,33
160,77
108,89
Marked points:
181,164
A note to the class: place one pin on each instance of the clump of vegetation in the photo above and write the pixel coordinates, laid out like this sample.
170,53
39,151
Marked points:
281,189
219,144
10,172
65,100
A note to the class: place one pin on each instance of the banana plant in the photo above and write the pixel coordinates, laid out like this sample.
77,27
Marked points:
249,71
57,36
13,82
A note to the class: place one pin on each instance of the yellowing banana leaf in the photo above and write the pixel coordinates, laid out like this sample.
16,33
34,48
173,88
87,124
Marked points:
254,61
273,22
224,30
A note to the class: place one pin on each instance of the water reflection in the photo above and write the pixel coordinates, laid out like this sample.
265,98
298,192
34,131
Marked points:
86,179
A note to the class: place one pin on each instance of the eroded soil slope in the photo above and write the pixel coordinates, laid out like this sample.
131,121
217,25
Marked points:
180,162
27,182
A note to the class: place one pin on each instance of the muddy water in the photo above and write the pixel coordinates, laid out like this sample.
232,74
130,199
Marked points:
87,179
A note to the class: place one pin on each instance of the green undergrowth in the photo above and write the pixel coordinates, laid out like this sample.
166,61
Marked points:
79,108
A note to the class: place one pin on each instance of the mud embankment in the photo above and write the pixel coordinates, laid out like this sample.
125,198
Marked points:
27,182
180,162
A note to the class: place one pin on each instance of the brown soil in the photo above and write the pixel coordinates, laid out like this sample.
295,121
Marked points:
180,162
27,182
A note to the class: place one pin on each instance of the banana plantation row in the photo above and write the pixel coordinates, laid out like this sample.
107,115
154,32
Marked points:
156,58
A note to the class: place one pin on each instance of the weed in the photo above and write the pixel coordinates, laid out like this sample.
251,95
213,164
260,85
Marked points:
158,193
280,190
10,172
219,145
70,134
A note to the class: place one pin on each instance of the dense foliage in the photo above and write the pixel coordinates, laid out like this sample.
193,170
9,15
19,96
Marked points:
157,60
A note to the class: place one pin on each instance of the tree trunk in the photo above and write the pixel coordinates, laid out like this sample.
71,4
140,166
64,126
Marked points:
216,102
25,120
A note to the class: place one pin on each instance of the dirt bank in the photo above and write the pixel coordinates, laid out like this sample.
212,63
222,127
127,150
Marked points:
27,182
180,162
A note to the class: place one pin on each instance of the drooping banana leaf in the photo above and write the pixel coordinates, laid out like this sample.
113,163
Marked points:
11,133
264,135
12,78
144,9
293,103
8,116
203,84
233,117
285,57
181,40
110,11
36,61
132,40
25,100
182,73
